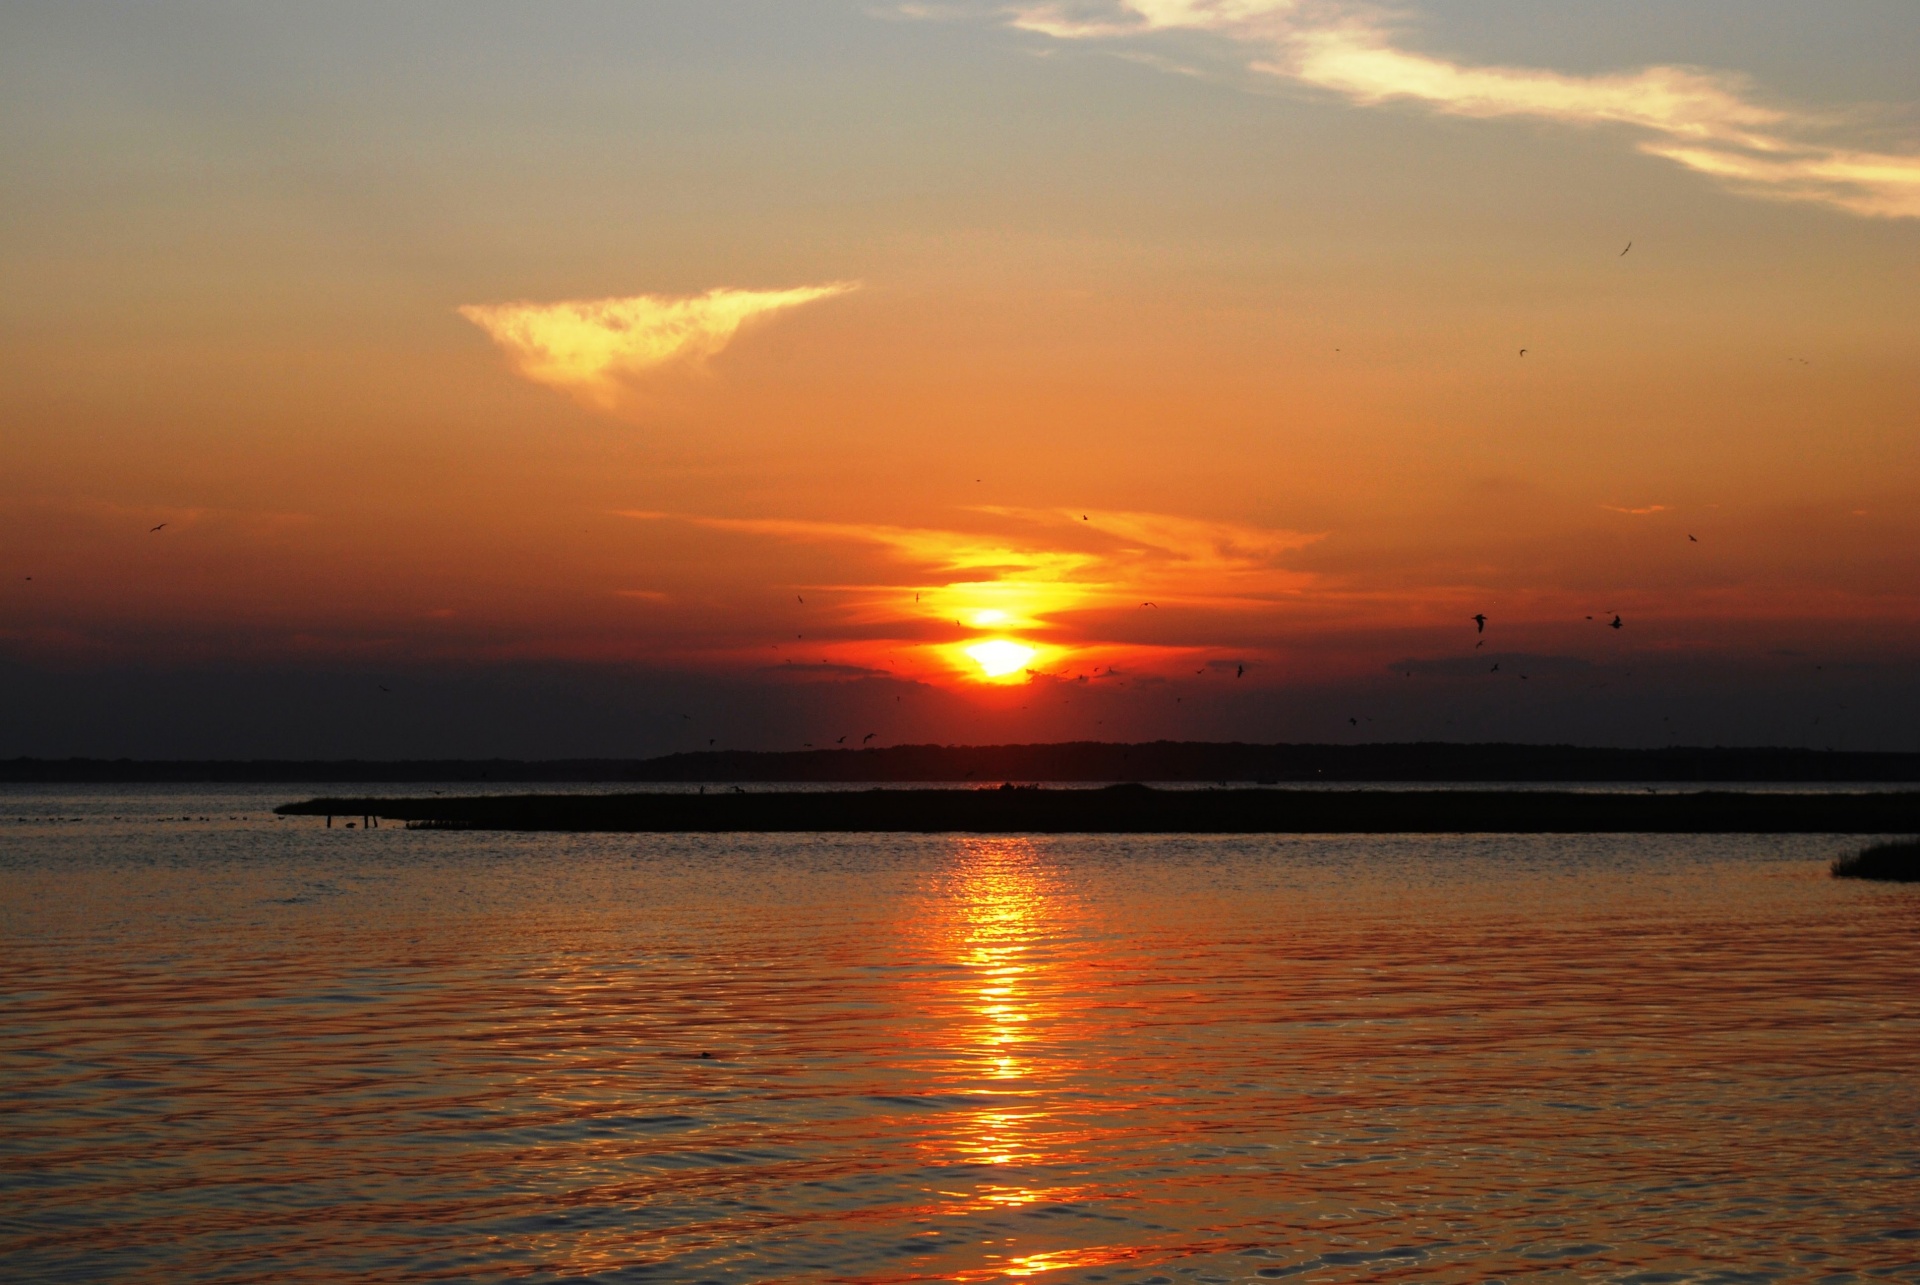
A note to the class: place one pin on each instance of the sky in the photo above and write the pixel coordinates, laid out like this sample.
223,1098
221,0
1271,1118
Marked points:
620,378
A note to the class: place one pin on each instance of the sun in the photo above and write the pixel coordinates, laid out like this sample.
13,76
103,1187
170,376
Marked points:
998,657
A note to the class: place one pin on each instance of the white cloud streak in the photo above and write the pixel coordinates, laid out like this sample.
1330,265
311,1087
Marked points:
596,348
1708,122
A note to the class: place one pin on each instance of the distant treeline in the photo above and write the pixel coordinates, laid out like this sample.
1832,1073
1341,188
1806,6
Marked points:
1065,761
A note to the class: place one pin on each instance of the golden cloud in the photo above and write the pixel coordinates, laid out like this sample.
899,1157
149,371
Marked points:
594,347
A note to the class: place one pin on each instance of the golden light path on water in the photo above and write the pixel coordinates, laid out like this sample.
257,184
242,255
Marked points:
1006,909
253,1051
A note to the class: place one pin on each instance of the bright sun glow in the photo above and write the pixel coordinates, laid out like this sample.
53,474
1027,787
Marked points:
998,657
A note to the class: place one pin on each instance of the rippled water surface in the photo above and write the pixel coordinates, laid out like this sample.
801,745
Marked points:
238,1049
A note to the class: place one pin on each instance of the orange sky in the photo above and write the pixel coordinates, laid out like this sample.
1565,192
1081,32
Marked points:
687,344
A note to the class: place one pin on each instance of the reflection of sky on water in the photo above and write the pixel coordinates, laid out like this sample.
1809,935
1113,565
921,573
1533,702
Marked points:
908,1058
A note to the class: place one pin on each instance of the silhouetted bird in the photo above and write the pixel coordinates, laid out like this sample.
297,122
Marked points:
841,741
1480,623
1693,539
1239,671
709,744
869,736
798,598
1083,517
1623,253
1495,669
1615,623
1155,606
151,530
1354,721
384,689
1523,352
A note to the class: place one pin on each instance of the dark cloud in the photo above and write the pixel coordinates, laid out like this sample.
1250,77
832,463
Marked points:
532,710
1482,662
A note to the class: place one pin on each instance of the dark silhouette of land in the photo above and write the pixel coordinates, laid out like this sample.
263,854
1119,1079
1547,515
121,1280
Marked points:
1889,862
1082,761
1139,809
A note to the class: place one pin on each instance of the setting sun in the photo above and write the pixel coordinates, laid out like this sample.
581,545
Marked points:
999,657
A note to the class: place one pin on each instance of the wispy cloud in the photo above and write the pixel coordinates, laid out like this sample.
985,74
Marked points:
594,348
1046,563
1710,122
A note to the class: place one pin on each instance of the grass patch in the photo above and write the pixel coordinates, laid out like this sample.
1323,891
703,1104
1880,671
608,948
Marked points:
1897,862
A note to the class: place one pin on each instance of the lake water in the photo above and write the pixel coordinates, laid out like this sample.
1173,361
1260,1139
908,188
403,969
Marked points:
237,1049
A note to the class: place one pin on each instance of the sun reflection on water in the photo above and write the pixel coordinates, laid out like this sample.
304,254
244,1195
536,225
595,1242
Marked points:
1003,914
1011,938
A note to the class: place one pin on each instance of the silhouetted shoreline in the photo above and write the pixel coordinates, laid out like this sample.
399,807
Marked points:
1138,809
1886,862
1077,761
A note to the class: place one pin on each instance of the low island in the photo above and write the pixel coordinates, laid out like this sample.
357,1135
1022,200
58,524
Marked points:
1897,862
1140,809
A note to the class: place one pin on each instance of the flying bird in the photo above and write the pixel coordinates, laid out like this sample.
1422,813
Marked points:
384,689
869,736
151,530
1155,606
1239,671
1615,623
1523,352
1354,721
1693,539
1480,623
1623,253
1083,517
841,741
1495,669
798,598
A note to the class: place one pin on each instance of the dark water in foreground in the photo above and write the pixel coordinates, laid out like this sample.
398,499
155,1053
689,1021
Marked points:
247,1050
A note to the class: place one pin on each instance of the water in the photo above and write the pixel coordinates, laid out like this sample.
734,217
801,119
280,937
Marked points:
252,1050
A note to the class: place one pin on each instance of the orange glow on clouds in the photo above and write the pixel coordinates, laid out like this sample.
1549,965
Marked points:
1083,589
